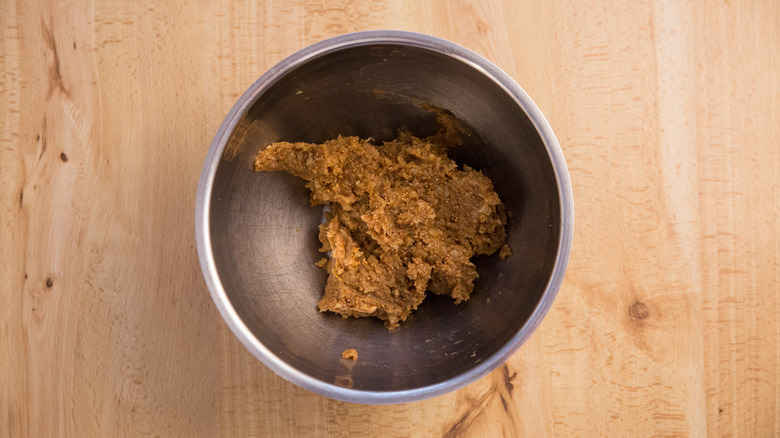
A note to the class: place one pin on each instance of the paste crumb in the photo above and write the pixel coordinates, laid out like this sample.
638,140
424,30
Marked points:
505,252
349,353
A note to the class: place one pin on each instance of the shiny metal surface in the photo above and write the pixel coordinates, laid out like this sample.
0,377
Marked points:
257,234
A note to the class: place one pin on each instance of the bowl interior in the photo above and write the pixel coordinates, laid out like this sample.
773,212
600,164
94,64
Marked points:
264,232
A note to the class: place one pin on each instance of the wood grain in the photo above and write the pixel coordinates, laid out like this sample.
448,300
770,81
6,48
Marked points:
668,322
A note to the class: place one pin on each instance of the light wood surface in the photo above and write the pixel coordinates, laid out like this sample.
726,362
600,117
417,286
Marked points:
667,324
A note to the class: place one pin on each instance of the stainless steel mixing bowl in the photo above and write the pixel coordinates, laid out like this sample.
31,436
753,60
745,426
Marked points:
257,233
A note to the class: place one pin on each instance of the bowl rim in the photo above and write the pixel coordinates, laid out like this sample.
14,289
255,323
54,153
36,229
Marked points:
245,102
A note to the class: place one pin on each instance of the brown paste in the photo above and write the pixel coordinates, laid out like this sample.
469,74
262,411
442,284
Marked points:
403,220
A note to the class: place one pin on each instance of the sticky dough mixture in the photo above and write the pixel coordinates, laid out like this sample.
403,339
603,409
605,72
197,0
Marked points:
403,220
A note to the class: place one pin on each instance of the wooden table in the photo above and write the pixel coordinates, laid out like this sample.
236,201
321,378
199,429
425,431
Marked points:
668,322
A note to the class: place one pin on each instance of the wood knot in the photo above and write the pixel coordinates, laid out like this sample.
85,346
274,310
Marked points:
49,283
509,379
638,310
64,157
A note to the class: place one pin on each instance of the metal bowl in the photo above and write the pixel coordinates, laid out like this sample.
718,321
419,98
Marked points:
257,233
